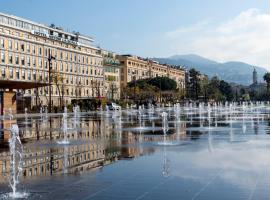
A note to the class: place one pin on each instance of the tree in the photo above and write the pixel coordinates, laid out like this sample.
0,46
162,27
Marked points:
112,90
154,89
213,88
58,81
96,87
194,84
162,83
226,90
204,87
266,77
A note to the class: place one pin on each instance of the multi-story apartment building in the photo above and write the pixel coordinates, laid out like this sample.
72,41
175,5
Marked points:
77,67
111,75
134,68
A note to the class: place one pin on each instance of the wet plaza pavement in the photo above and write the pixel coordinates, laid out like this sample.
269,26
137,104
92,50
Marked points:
219,152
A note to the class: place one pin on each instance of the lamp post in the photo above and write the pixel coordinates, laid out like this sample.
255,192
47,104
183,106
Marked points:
134,89
159,90
50,58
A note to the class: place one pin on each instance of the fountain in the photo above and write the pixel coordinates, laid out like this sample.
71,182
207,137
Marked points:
244,127
140,119
16,151
166,164
64,128
165,129
209,116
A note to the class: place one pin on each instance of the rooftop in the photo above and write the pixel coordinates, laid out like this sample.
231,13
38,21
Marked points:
39,25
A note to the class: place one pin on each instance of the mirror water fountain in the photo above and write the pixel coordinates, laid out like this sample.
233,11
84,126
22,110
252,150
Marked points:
169,135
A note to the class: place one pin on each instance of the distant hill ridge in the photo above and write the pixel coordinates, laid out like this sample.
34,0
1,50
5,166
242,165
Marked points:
232,72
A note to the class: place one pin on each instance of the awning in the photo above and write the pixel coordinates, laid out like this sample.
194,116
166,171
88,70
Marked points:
11,84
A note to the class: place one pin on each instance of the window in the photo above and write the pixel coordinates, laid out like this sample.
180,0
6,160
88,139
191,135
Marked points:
34,75
46,64
11,73
28,48
22,60
10,58
40,51
23,74
2,57
17,74
17,60
40,76
16,46
2,44
3,71
22,47
34,49
10,44
40,63
29,75
34,62
28,61
46,76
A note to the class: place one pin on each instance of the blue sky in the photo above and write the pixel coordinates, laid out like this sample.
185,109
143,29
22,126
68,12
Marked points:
222,30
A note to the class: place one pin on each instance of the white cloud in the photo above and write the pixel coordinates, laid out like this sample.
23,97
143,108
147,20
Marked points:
193,28
245,37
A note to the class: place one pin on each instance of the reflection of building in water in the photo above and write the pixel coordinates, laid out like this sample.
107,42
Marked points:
5,126
43,160
87,152
94,143
131,146
41,130
129,149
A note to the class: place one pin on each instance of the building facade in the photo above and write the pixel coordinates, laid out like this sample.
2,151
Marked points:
111,75
76,70
134,68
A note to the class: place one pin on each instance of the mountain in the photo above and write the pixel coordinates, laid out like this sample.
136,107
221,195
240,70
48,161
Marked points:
232,72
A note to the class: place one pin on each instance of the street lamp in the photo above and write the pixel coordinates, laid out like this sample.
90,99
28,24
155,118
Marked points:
50,58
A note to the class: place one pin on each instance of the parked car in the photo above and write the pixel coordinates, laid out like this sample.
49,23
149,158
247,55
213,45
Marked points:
113,106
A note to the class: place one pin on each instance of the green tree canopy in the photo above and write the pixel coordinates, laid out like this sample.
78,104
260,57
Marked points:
194,83
163,83
266,77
